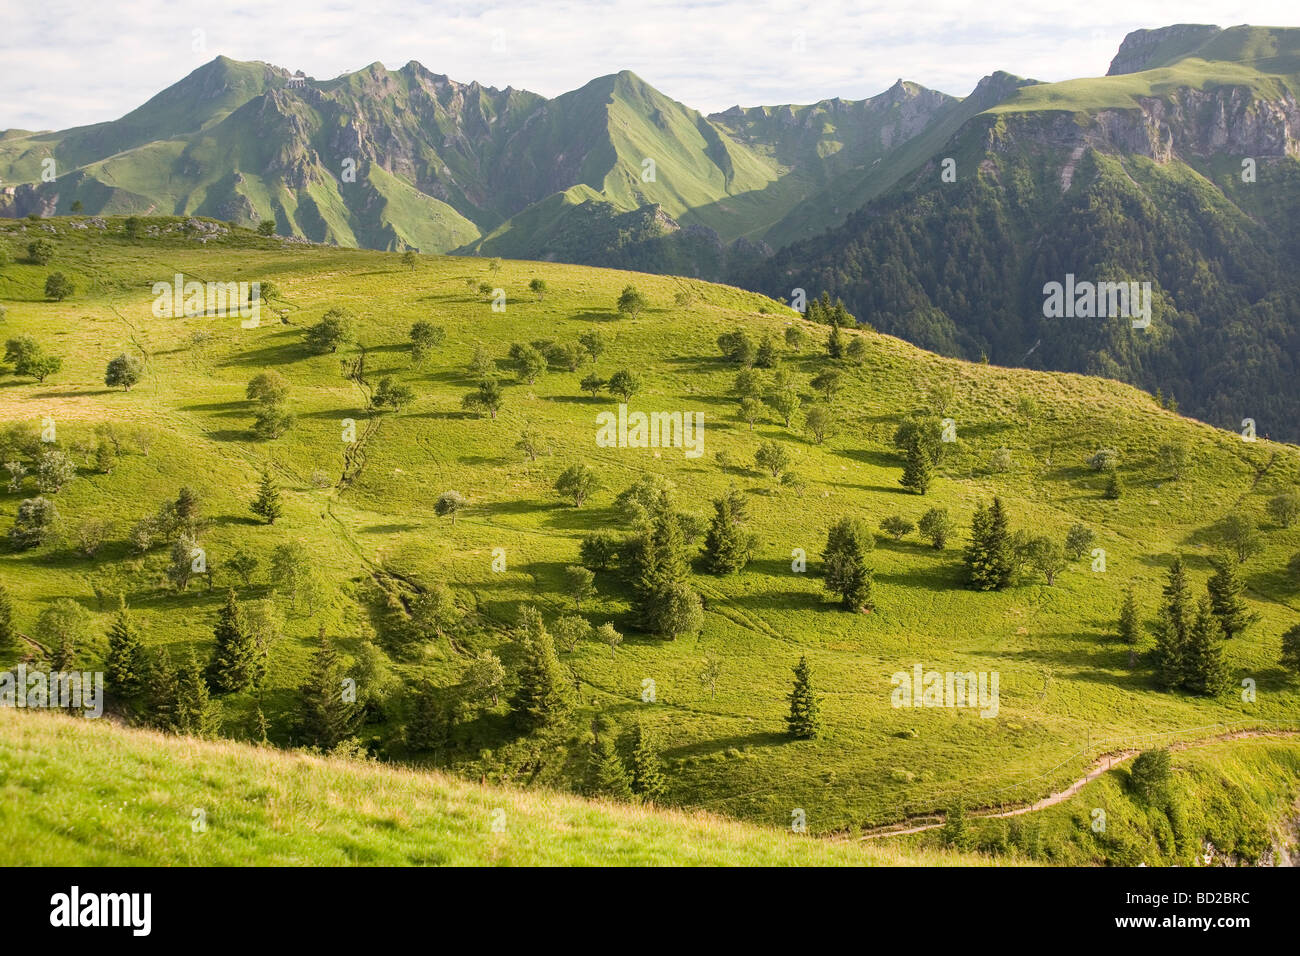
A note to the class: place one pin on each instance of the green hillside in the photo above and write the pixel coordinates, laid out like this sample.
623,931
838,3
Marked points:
85,793
1230,803
377,550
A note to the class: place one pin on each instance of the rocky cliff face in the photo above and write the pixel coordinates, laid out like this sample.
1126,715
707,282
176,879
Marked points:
1145,49
1231,121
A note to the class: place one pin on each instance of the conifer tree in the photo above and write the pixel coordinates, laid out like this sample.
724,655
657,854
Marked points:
196,714
805,720
544,697
427,728
325,716
126,663
727,546
657,569
1127,630
916,468
1225,588
8,633
1205,671
164,691
608,774
267,504
1174,627
647,767
234,665
990,564
845,557
835,343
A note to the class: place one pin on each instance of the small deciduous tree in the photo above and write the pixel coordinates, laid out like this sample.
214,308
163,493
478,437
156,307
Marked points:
34,523
625,383
773,457
485,677
936,526
59,287
488,397
711,673
897,527
577,481
631,302
1283,509
818,421
1078,541
123,372
425,338
391,395
450,504
336,327
579,584
1238,533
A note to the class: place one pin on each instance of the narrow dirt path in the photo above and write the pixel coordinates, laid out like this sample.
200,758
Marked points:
1103,764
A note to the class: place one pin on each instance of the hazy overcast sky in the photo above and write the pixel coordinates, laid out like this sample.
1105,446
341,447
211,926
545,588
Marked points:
70,62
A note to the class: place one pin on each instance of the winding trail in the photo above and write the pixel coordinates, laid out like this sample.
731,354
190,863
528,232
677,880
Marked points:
1101,765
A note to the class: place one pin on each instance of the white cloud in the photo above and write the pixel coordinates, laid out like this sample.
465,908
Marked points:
69,63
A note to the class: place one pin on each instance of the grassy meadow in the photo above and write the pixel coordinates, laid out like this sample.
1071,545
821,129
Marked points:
1066,688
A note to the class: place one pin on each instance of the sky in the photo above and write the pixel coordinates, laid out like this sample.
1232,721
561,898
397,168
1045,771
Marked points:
72,62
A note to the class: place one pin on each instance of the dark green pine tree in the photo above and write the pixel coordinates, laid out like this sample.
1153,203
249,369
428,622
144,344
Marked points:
326,717
164,693
989,560
727,546
196,713
1226,587
835,343
608,774
916,468
544,697
1174,627
126,665
1205,671
805,720
648,780
656,564
845,569
427,728
1127,631
8,633
267,504
235,664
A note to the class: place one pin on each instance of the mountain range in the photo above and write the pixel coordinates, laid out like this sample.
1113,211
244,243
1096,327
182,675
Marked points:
933,217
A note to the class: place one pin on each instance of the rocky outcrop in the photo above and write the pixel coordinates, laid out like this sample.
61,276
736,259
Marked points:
1146,49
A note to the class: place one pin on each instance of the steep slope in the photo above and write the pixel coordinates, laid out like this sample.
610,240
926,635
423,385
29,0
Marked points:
365,514
1185,176
87,793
